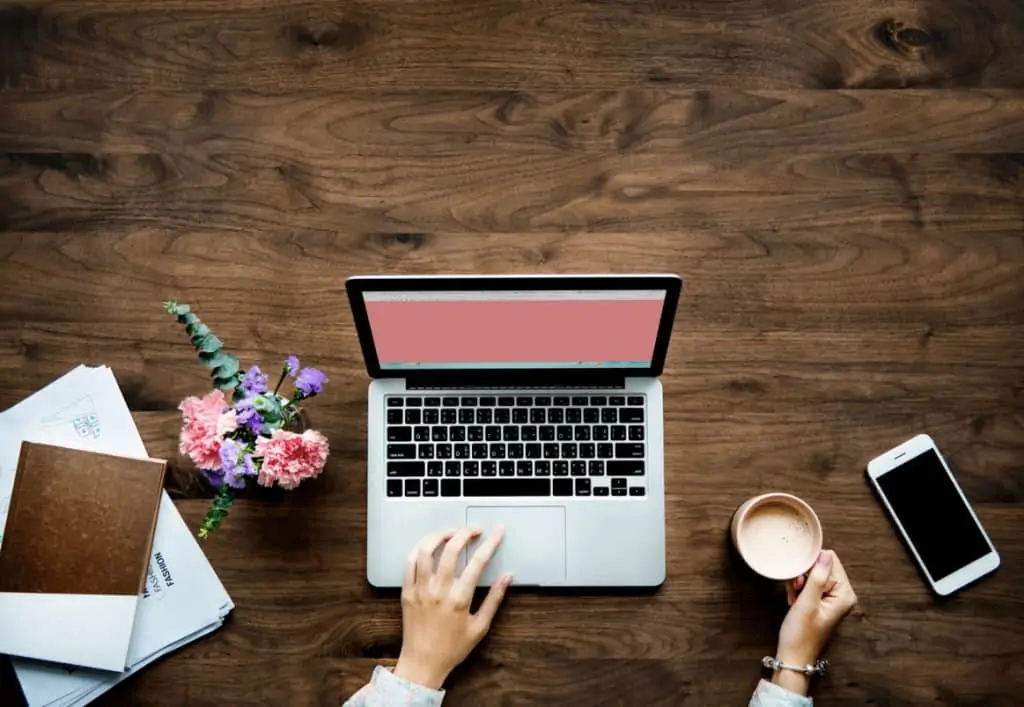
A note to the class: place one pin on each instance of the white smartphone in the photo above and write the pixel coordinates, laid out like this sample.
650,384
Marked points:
930,510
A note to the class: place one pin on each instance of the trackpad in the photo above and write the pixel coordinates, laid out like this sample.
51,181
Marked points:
534,546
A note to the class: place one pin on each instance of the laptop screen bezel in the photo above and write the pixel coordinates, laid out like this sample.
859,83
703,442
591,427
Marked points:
358,285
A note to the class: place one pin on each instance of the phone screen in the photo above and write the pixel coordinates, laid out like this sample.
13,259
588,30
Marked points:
933,514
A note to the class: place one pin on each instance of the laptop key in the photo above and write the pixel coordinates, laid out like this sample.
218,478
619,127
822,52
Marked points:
619,432
617,400
533,451
542,400
605,450
488,401
394,488
538,416
450,487
629,450
502,416
618,492
600,432
443,451
430,488
457,434
574,416
608,415
435,469
528,433
478,451
395,417
625,467
600,490
551,451
598,400
587,450
582,432
431,417
619,483
524,468
449,416
564,433
506,468
569,450
506,402
546,433
591,415
635,400
497,451
492,433
562,487
556,416
401,451
510,434
421,434
524,401
582,487
439,434
578,468
399,434
516,451
405,469
412,417
560,468
432,402
595,467
579,400
636,432
471,468
631,415
478,488
475,433
413,402
636,491
461,451
562,400
412,488
470,402
466,416
488,468
483,416
542,468
450,402
452,468
521,416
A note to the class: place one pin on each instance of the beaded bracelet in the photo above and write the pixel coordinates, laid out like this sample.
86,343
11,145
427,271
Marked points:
819,667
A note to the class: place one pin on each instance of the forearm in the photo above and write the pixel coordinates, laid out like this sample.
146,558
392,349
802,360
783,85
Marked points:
387,690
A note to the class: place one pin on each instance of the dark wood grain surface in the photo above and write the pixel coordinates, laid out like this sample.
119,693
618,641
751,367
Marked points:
841,183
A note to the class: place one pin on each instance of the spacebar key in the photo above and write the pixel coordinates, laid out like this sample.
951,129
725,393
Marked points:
506,487
632,467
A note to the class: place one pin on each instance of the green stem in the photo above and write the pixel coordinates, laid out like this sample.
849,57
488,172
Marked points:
217,511
284,374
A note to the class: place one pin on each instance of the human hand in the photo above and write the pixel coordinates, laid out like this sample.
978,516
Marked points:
438,630
818,603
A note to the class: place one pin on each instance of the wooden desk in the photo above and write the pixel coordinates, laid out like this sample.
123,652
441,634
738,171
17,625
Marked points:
854,263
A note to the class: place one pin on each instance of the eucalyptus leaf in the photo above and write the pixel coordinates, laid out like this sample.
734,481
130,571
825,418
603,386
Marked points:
225,384
182,309
227,368
198,329
187,319
269,408
214,358
210,344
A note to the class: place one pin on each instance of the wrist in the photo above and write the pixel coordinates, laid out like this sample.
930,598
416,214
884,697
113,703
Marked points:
793,681
420,674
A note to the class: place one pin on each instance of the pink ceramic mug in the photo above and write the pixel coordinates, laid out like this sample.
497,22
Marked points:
778,535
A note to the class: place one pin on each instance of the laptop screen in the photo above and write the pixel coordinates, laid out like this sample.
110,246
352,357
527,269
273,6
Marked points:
514,328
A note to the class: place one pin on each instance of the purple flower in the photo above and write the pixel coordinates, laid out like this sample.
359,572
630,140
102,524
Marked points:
247,416
215,477
235,479
291,365
310,382
254,382
229,456
248,467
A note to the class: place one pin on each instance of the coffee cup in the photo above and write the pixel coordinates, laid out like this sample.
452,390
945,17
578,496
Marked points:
778,535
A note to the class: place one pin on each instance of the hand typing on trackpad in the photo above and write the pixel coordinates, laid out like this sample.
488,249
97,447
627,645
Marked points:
533,549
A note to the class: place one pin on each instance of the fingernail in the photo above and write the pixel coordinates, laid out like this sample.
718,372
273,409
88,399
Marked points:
507,580
825,558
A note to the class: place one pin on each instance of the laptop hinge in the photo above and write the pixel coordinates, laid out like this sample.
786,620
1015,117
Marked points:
492,380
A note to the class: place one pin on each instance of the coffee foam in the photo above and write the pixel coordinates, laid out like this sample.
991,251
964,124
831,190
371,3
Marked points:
776,540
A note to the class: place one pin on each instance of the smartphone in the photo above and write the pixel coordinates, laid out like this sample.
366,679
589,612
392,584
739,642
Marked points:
930,510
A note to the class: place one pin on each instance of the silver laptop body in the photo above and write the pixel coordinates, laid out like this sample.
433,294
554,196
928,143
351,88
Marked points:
529,402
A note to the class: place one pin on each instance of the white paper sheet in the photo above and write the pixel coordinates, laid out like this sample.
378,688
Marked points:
184,599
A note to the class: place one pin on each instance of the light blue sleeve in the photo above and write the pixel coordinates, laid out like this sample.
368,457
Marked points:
770,695
387,690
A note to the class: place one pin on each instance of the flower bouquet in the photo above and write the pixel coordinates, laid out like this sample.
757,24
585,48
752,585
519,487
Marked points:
256,436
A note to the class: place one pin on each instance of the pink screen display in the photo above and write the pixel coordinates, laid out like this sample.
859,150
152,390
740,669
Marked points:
492,329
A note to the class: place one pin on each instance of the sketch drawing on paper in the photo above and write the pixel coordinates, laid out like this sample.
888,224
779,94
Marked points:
81,414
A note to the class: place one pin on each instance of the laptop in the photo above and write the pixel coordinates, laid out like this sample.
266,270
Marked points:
528,402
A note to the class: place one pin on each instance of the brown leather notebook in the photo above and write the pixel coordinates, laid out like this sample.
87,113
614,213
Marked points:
78,539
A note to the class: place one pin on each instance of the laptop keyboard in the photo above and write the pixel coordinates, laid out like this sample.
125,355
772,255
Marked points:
515,445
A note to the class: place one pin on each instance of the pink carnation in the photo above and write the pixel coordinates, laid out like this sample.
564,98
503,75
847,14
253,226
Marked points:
290,458
204,424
